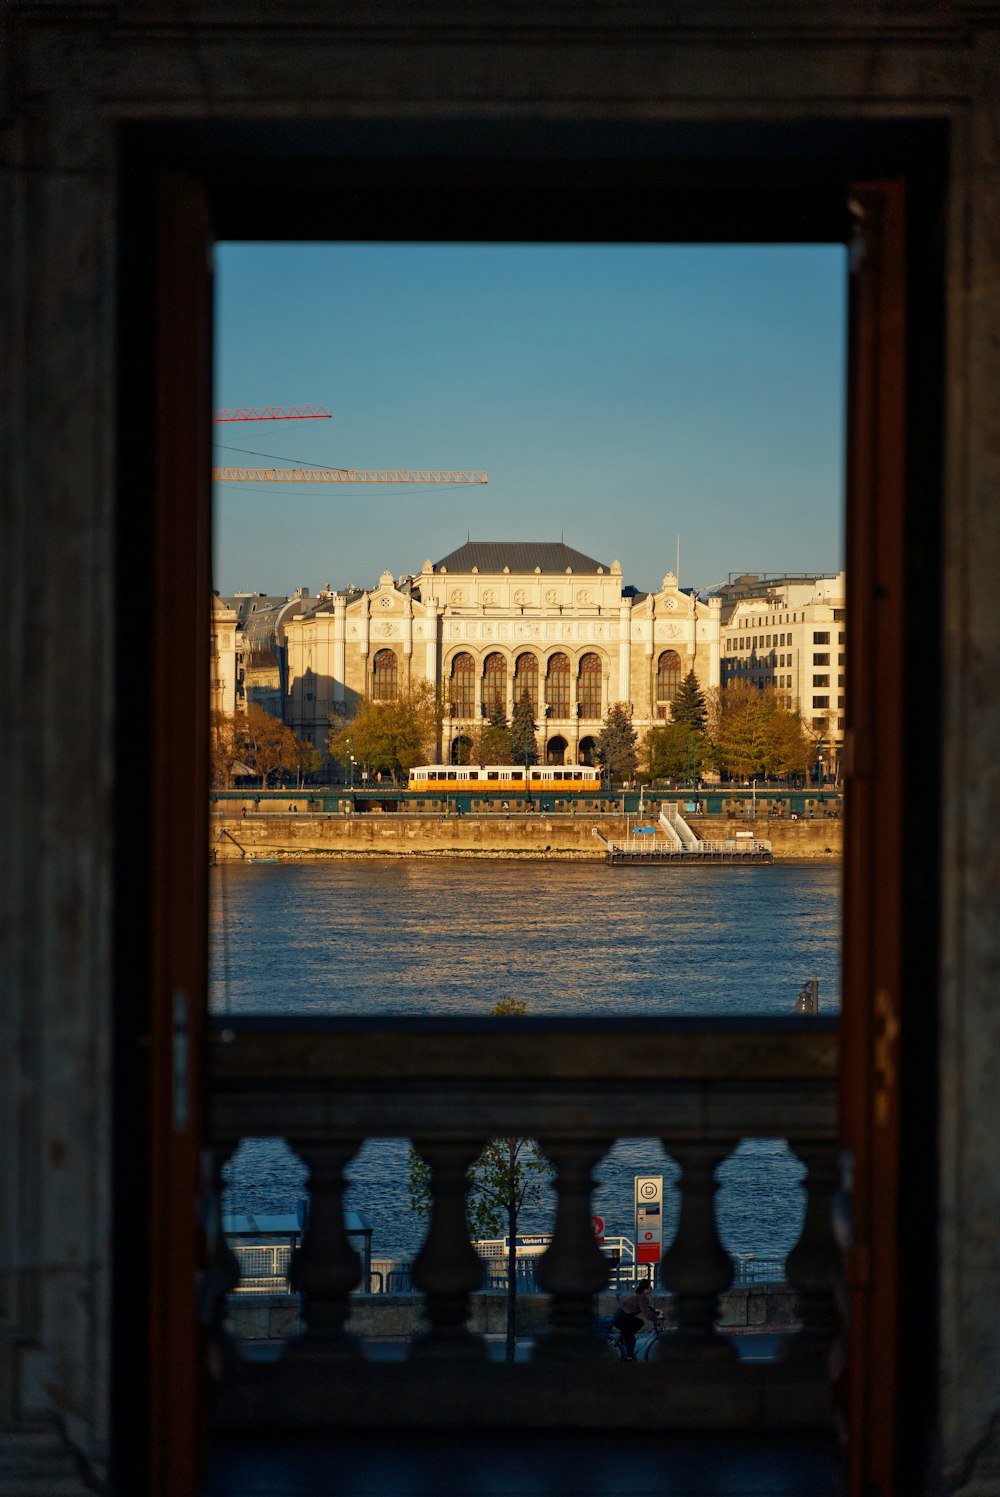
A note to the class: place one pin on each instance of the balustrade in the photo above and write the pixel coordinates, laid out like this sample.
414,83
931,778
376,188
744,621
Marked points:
575,1087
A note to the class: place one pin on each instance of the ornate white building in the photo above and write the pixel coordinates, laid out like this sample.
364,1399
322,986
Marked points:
494,619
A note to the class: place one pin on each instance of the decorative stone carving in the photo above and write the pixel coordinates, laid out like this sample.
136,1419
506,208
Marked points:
573,1268
448,1268
697,1268
326,1268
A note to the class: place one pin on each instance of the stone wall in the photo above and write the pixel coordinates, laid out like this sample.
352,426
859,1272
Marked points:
266,835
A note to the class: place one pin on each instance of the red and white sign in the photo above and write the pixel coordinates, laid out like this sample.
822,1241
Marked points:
648,1218
598,1224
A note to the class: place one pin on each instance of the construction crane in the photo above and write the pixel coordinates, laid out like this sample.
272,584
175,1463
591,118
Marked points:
275,413
323,475
344,475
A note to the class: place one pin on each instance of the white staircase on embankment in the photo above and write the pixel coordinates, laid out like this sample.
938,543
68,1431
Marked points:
676,829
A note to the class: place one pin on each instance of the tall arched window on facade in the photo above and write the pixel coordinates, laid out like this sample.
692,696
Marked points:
668,678
557,688
526,680
589,693
463,686
385,676
495,684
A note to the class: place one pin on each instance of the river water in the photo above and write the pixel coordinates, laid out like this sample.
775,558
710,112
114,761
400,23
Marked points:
420,936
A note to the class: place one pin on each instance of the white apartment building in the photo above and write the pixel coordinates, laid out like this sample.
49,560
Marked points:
788,632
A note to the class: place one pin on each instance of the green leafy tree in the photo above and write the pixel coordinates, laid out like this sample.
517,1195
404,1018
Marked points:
390,737
493,742
674,751
523,743
508,1177
615,749
689,706
755,735
310,760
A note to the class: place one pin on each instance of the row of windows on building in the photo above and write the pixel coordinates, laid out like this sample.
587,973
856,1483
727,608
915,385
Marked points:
464,679
777,641
767,621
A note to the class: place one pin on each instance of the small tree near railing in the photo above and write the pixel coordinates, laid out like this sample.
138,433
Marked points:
508,1176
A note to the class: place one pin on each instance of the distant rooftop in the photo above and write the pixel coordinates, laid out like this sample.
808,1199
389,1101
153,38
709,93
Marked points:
756,584
520,557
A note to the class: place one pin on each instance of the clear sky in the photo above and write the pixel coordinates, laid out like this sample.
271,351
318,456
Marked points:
616,396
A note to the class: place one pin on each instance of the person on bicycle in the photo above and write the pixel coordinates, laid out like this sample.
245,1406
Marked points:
633,1310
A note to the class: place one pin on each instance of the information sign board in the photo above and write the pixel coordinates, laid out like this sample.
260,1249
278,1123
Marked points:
648,1218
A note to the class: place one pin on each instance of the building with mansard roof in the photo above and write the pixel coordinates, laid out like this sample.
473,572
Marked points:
492,620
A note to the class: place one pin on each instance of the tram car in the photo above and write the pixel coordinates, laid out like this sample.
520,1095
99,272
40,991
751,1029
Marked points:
505,779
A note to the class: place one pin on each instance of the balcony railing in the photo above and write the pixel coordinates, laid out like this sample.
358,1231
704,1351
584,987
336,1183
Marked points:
576,1087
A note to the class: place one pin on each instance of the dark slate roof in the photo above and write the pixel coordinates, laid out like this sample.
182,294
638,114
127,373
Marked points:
520,557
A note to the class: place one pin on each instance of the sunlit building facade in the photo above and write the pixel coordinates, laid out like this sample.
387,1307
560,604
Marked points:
491,621
789,633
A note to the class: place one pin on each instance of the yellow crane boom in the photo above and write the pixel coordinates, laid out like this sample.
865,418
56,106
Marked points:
344,475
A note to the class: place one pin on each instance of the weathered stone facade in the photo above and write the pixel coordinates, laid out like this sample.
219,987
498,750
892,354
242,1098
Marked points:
488,620
85,89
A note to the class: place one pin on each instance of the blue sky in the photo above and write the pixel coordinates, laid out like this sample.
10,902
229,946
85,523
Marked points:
615,395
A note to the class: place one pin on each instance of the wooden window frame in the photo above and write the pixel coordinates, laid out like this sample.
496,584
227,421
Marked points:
792,181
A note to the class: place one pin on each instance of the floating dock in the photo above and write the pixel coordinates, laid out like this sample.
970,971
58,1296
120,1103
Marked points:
671,840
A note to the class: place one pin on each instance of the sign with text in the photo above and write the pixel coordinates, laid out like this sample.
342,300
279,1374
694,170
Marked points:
648,1218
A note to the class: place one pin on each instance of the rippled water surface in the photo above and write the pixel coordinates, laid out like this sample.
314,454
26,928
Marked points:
433,937
423,937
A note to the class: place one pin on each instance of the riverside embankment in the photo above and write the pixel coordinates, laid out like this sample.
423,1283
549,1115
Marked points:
295,836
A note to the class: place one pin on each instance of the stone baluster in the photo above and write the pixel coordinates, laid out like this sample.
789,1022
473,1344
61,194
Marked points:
697,1267
814,1262
222,1270
572,1269
325,1268
447,1269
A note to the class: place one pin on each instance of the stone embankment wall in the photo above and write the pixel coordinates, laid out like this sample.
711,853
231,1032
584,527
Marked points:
316,836
398,1317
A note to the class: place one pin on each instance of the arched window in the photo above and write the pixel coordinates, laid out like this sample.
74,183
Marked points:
461,751
385,671
495,684
526,680
589,693
557,688
555,749
668,676
463,687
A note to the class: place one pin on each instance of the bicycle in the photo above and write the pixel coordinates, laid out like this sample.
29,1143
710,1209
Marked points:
647,1343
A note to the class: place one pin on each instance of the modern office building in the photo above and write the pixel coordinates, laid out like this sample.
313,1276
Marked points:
789,633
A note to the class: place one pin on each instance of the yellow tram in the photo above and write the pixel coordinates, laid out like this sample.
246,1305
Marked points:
505,779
